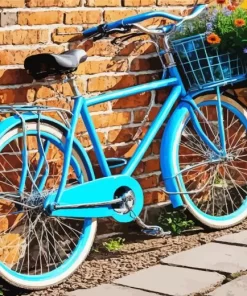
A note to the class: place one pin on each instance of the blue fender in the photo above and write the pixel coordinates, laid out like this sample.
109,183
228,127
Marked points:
13,121
167,155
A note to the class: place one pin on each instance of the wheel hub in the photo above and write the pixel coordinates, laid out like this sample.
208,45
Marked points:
36,199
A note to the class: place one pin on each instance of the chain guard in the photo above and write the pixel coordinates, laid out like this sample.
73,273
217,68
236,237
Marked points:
93,192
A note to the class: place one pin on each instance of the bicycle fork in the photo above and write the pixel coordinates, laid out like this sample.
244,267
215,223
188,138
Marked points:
192,107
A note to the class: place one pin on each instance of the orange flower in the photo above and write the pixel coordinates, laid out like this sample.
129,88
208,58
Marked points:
239,22
231,7
213,39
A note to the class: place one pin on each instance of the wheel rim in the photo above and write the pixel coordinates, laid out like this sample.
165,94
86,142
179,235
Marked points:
222,185
52,246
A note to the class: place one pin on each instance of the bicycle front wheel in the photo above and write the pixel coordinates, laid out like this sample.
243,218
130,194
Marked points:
38,251
216,189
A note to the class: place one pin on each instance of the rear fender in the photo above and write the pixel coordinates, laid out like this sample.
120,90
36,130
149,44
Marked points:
13,121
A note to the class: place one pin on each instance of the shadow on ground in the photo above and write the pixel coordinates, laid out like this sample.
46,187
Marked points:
9,290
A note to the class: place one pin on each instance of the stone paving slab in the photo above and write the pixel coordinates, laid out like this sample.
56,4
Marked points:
173,281
110,290
237,287
234,238
213,256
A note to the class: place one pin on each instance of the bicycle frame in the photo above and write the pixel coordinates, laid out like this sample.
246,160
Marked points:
81,109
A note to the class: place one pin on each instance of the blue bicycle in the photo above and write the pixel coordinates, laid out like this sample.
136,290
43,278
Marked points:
50,198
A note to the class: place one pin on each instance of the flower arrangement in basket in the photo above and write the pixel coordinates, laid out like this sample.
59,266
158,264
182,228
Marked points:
213,47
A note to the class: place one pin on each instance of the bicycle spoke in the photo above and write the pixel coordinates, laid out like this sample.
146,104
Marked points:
41,243
224,184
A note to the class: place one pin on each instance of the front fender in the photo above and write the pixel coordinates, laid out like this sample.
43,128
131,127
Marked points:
13,121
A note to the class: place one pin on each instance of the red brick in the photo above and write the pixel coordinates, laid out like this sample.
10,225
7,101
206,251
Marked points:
99,107
112,151
12,3
152,165
136,47
145,64
20,37
139,3
114,15
153,113
121,135
99,48
103,3
148,182
44,92
53,3
153,197
139,100
100,66
139,170
178,2
156,147
107,49
17,57
40,18
148,78
86,142
14,76
139,115
113,119
82,17
104,83
161,95
105,120
17,95
67,34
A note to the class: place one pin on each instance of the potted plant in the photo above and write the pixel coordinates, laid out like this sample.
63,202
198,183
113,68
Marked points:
213,47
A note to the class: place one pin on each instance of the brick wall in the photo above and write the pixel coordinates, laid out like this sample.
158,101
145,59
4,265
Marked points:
38,26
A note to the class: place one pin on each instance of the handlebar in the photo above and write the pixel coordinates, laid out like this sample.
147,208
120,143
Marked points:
142,17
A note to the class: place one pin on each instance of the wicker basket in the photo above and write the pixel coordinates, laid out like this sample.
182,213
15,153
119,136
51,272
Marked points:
203,65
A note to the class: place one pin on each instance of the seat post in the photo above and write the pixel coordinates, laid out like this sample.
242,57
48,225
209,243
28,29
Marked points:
73,86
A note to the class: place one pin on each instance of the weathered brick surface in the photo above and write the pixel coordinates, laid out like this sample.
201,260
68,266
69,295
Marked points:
103,3
12,3
51,26
8,19
40,18
17,57
82,17
53,3
23,37
139,3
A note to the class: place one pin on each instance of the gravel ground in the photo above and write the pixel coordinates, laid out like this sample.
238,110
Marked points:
137,253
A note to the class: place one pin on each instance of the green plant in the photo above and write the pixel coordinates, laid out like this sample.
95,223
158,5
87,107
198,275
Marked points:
94,249
114,244
175,221
223,25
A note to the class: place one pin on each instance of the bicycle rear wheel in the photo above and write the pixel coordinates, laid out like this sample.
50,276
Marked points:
217,190
38,251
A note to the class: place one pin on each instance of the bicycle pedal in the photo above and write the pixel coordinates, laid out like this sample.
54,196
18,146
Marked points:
156,231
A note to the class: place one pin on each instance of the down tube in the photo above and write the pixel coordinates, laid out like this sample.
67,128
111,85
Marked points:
153,130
